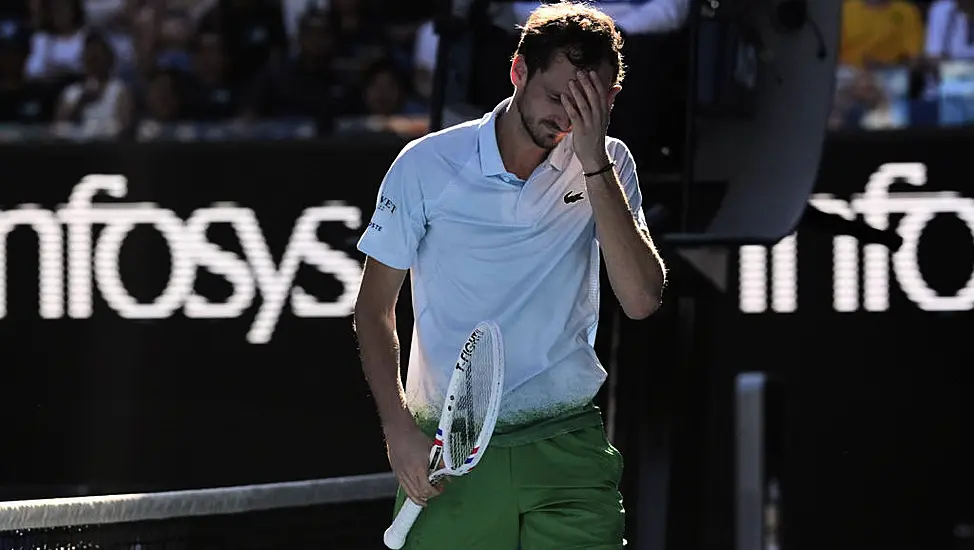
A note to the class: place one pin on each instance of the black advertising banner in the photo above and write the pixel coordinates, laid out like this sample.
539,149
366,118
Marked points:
873,343
178,316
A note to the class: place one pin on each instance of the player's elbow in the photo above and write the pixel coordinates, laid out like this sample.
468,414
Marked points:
642,307
645,297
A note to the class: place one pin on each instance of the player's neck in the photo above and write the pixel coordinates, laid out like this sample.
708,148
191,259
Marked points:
518,151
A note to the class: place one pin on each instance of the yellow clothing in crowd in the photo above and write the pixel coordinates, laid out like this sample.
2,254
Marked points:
882,32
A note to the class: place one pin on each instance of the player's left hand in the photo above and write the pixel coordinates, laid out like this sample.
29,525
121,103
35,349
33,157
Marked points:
588,105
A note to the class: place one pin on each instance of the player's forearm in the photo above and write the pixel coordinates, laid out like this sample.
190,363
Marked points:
379,350
636,271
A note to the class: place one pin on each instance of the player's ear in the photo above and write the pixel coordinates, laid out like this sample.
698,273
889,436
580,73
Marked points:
519,71
613,92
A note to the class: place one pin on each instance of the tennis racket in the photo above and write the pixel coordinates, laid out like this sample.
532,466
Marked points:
467,421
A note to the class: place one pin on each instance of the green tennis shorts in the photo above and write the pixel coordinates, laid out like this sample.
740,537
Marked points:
557,492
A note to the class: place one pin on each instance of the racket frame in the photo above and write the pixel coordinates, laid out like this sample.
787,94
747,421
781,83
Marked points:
395,535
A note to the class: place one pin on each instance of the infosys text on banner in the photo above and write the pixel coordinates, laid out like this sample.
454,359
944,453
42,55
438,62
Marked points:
92,262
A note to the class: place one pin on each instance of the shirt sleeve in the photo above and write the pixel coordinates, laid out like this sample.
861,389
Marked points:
626,170
398,223
938,21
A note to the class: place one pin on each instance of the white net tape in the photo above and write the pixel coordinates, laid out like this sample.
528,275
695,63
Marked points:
67,512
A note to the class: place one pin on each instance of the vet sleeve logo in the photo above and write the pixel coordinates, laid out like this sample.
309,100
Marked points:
386,205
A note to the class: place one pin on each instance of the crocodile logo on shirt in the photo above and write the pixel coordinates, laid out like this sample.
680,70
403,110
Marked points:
570,198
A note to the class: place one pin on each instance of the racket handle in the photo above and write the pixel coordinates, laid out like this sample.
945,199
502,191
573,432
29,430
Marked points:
395,535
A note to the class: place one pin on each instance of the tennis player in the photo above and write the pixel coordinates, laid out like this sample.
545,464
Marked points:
503,218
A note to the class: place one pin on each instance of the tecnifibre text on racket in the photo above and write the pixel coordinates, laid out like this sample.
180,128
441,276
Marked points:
467,420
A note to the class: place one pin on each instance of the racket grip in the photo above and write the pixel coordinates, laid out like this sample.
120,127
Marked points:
395,535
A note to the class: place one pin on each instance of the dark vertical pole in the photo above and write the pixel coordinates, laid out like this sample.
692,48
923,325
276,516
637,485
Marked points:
690,138
659,489
679,493
443,27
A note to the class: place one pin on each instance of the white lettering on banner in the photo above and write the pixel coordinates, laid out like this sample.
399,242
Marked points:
875,204
753,273
97,263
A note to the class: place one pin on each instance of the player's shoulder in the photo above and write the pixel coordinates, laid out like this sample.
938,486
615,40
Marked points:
451,144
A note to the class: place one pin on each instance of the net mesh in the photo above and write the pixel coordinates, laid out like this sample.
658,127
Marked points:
342,513
471,401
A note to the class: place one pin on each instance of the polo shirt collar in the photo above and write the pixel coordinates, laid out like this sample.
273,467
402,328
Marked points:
491,163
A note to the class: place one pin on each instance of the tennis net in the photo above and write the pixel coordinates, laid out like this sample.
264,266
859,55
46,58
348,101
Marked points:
346,513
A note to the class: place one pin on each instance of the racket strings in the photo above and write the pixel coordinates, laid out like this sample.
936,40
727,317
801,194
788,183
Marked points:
472,403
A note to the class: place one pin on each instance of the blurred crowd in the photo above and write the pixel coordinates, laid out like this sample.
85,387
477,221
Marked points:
218,69
111,69
117,69
905,63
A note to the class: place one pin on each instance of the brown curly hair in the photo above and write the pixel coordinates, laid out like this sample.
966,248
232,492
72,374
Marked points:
583,33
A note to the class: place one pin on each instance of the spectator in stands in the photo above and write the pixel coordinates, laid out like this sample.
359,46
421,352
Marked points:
162,32
164,101
254,34
359,40
100,104
174,41
166,113
163,26
57,46
212,96
385,92
861,103
294,11
401,21
105,14
21,101
113,19
385,104
879,33
949,30
303,87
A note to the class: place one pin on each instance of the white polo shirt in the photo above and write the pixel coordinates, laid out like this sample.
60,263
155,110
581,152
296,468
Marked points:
482,244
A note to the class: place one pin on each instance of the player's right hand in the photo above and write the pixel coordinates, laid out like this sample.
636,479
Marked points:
409,450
